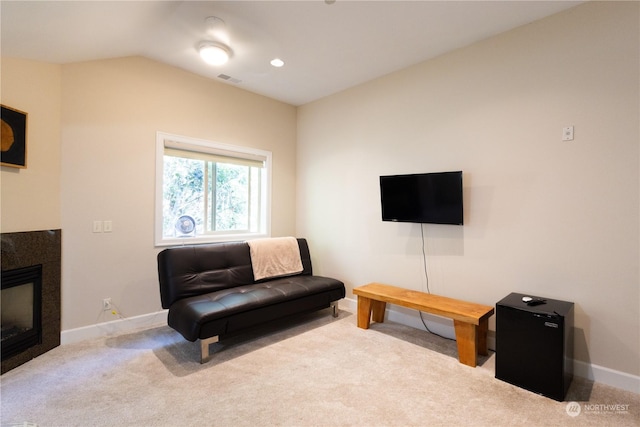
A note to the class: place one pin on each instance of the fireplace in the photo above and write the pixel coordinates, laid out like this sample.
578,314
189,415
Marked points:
30,300
21,300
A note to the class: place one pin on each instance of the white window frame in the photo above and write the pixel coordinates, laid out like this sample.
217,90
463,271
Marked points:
186,143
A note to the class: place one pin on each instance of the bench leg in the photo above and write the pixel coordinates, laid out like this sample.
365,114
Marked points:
204,348
367,306
482,330
466,340
378,308
364,312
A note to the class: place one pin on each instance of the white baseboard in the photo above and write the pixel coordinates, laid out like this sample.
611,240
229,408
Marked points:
444,327
114,327
603,375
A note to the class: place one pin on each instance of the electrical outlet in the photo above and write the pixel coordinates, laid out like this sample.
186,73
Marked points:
106,304
567,133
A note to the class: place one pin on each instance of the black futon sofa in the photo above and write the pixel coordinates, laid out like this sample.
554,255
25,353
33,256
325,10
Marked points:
210,291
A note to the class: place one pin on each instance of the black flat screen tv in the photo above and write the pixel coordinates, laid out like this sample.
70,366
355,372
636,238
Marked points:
433,198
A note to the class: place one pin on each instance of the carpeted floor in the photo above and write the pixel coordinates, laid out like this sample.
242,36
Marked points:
315,371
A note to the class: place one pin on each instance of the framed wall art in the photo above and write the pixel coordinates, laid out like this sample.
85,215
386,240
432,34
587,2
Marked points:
13,135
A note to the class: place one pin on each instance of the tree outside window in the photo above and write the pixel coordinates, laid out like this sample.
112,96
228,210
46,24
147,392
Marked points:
210,192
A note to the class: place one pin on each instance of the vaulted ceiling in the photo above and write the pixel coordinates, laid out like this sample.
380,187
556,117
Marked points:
326,46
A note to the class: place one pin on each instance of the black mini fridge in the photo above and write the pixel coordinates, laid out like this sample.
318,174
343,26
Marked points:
534,345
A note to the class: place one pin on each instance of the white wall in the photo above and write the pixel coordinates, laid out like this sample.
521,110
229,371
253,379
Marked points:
30,197
111,111
542,216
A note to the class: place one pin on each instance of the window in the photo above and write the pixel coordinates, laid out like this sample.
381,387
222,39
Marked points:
208,191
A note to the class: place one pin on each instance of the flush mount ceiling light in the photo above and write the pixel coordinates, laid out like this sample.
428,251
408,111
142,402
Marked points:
214,53
216,50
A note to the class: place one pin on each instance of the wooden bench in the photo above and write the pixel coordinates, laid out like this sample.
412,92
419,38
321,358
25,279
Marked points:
470,320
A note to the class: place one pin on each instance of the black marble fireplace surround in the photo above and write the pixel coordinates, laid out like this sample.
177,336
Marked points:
28,249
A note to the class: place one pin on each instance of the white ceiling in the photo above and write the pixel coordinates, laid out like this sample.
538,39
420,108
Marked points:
326,47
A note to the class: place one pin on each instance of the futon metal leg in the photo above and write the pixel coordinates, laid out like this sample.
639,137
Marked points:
204,348
334,308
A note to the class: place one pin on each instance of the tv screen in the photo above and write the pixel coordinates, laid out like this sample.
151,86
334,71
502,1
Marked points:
434,198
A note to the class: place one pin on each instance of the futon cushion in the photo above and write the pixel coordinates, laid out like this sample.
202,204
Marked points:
189,314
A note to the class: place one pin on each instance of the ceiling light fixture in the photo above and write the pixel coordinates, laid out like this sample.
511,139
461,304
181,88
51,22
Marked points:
277,62
214,53
216,50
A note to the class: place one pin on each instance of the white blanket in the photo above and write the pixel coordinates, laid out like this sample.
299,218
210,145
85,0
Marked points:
274,257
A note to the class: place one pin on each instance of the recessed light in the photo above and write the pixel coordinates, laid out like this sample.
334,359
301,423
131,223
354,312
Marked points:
277,62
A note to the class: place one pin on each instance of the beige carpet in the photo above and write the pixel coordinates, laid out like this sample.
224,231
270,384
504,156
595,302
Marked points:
317,371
